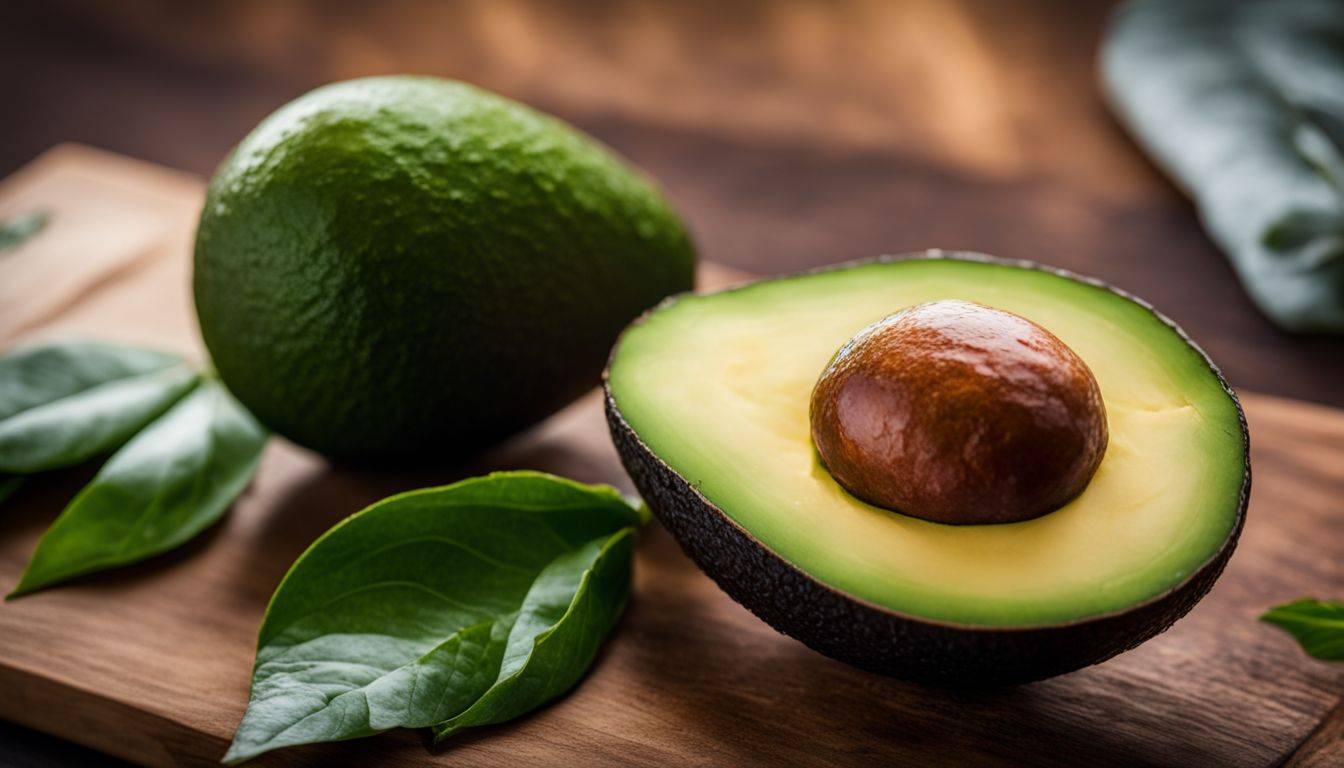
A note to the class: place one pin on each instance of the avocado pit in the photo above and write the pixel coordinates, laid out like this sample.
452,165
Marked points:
958,413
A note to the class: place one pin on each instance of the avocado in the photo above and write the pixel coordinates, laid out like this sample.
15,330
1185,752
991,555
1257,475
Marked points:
410,267
708,400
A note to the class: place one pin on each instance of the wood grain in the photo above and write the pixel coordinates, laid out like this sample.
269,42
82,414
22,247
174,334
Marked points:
1324,748
103,228
152,663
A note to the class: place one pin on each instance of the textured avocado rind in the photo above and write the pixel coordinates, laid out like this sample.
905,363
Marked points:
412,268
884,641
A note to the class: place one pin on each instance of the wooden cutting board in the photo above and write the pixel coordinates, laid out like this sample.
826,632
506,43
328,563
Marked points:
152,662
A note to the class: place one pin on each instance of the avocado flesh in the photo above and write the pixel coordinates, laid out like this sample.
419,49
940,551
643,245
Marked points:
717,387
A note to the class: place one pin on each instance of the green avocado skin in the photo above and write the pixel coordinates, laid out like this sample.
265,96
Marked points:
403,267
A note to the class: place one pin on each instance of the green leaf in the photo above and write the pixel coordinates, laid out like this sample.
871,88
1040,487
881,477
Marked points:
1317,624
61,404
162,488
564,620
1242,103
9,484
15,231
461,605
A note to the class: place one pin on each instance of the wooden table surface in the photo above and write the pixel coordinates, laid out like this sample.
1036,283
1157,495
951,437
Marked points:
150,662
791,134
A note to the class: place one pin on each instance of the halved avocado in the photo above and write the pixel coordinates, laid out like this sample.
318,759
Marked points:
707,399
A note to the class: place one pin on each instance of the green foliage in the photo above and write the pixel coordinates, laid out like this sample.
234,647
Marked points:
62,404
16,231
1317,624
448,607
185,448
166,485
1241,103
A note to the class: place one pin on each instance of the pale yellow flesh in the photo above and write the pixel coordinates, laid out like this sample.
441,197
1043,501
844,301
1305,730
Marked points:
718,387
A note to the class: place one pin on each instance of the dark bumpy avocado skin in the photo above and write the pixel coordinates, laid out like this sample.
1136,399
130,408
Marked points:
408,266
883,641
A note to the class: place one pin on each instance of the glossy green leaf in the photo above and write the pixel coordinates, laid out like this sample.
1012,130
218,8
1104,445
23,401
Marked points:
9,484
563,622
166,485
1317,624
16,231
1243,104
462,605
61,404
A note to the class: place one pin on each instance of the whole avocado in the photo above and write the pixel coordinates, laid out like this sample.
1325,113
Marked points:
399,267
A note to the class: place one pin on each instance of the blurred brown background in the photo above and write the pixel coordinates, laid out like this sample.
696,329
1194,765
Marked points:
790,133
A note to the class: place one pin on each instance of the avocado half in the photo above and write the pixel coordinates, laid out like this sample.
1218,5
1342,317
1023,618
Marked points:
707,402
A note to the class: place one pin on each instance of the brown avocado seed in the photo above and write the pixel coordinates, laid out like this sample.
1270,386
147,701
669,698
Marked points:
959,413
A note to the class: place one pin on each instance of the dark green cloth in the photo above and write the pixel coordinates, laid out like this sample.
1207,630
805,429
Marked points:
1243,104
